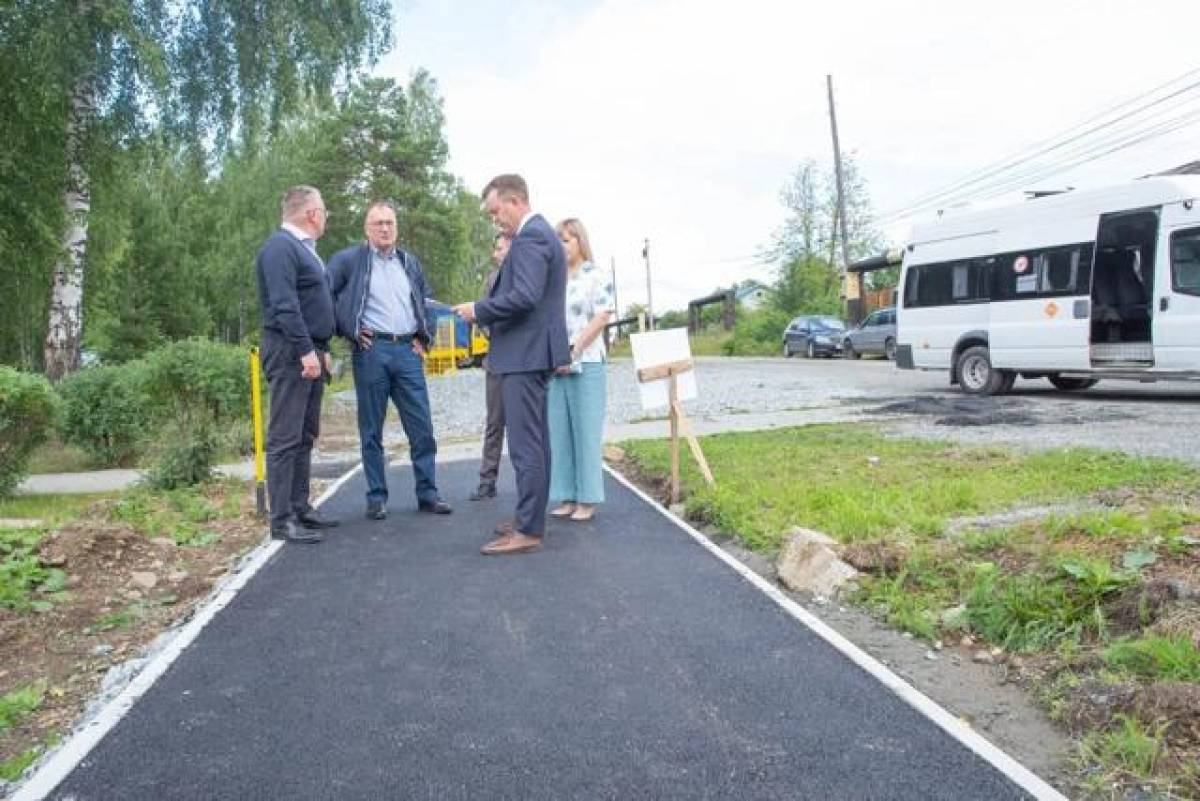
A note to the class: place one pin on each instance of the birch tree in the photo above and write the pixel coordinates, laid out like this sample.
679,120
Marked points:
207,71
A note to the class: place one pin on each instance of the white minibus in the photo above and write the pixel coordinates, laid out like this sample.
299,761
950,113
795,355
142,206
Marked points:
1073,287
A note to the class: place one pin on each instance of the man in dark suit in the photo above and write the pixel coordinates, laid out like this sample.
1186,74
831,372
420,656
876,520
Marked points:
297,323
493,433
525,313
379,294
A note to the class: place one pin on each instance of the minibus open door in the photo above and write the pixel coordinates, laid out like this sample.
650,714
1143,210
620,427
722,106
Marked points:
1177,295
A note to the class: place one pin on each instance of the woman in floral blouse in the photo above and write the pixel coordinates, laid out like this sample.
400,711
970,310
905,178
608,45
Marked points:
577,395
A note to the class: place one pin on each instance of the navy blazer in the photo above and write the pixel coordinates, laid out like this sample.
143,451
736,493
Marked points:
350,281
294,293
526,310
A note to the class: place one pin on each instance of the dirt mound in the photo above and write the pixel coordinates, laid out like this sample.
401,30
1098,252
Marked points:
1141,605
874,557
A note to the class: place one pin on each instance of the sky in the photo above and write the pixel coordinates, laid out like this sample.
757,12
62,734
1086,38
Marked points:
681,121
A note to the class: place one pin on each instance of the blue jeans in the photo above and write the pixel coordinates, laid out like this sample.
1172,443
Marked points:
392,370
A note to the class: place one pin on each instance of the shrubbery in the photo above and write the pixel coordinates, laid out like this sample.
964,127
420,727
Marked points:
28,407
106,412
759,333
196,380
179,407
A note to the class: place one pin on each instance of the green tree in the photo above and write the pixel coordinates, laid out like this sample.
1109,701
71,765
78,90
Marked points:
206,70
386,141
806,247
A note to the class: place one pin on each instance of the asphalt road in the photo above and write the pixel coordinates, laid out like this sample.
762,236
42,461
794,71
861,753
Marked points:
623,661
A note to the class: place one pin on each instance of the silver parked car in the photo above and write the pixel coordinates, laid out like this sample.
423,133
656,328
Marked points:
874,335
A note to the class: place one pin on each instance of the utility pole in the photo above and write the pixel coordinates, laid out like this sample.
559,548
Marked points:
649,295
851,284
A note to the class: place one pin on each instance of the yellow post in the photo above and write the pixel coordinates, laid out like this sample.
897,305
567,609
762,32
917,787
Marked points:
260,495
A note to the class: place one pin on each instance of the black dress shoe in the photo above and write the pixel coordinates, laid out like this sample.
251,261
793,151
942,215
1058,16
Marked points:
311,518
484,491
375,511
438,507
290,531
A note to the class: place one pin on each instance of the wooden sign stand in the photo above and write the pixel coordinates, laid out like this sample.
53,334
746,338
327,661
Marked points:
679,421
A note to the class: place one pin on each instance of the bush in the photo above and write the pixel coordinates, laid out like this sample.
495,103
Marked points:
106,412
186,458
759,333
197,379
28,408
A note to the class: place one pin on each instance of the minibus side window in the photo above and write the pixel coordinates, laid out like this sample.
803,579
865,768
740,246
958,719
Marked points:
1185,261
911,280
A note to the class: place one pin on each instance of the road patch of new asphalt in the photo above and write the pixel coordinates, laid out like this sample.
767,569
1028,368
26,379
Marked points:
622,661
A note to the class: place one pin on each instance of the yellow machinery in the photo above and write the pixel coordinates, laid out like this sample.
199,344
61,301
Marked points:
455,345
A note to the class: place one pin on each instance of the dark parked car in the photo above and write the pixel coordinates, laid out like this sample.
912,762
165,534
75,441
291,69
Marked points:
874,335
814,335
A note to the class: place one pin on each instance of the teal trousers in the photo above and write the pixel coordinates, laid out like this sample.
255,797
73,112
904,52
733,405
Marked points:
575,410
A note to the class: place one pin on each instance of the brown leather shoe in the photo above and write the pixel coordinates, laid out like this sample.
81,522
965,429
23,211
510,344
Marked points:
505,528
512,544
494,542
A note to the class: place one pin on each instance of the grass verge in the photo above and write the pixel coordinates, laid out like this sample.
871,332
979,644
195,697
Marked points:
1100,603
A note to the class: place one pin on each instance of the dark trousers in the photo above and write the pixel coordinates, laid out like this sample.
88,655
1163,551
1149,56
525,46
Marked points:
392,370
493,434
295,422
524,399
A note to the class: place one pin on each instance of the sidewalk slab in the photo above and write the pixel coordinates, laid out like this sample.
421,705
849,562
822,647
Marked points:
622,661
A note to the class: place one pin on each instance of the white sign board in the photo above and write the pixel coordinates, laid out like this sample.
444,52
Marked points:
654,348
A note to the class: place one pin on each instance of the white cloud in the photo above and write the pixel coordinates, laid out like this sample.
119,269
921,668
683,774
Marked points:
681,121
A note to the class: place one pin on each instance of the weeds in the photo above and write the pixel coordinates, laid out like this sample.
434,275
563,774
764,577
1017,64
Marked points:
11,769
19,704
1156,658
178,514
1130,748
24,582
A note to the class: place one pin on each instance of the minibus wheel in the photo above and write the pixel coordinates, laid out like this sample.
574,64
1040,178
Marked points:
976,375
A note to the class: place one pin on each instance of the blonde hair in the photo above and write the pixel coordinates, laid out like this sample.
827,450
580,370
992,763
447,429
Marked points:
575,228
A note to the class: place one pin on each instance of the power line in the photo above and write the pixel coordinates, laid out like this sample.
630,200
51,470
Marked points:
1082,153
1052,144
1101,150
1092,151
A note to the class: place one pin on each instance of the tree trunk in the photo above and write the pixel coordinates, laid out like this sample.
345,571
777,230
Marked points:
65,331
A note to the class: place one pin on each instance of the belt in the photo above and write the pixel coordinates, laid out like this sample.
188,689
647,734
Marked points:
384,336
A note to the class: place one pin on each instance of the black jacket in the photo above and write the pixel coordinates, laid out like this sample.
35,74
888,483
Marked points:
294,293
350,279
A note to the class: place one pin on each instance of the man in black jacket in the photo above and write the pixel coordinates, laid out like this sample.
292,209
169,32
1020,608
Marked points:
297,320
379,294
